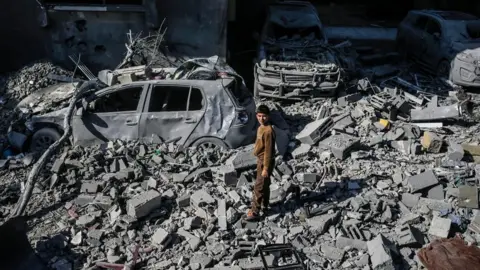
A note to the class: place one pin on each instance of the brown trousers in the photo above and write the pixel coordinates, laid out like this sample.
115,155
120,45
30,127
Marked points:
261,189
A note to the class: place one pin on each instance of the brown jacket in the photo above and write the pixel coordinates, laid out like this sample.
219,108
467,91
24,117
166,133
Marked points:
265,146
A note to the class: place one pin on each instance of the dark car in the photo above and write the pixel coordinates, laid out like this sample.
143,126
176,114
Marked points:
446,43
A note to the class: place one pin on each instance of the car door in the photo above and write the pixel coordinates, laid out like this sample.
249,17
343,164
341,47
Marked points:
415,41
172,112
111,114
433,40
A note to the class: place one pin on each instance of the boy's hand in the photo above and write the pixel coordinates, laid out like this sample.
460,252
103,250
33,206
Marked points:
264,173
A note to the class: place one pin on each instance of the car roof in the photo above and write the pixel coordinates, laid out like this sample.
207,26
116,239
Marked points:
209,87
447,15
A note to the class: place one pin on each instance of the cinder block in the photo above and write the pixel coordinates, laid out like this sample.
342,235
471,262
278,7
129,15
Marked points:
142,204
440,227
309,178
343,242
91,187
422,181
315,131
161,238
244,160
183,200
301,151
380,253
431,142
226,174
340,145
348,99
407,236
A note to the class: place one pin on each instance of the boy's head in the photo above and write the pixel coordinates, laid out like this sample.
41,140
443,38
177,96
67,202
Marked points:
263,113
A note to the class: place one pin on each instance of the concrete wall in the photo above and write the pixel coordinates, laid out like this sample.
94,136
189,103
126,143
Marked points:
195,28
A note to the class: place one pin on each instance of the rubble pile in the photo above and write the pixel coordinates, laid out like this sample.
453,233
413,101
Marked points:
354,191
27,80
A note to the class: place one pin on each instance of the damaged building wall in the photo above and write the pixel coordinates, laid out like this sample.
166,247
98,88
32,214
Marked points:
195,28
98,36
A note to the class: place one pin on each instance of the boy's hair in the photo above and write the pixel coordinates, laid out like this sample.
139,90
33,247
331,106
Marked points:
263,109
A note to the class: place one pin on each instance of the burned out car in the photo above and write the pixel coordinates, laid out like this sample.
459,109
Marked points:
218,112
294,59
446,43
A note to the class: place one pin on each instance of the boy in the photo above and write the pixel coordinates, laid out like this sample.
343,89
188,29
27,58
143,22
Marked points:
265,152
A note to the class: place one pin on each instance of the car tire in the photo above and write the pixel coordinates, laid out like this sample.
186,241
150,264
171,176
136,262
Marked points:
43,138
211,143
443,69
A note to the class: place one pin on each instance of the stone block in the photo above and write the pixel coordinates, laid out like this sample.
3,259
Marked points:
468,196
201,197
315,131
340,145
421,181
161,238
380,253
143,204
301,151
440,227
436,193
226,174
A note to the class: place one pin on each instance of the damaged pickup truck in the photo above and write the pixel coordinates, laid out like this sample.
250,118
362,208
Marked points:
201,103
294,60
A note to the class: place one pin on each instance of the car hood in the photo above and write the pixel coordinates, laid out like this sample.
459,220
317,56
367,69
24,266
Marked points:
47,98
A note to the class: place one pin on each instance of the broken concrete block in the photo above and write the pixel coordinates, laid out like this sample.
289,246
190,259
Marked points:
474,225
222,215
244,160
143,204
315,131
161,238
436,193
431,142
342,121
440,227
193,241
468,196
410,200
91,187
183,200
301,151
343,242
234,195
422,181
332,253
380,253
226,174
348,99
200,198
455,152
408,236
321,223
433,113
340,145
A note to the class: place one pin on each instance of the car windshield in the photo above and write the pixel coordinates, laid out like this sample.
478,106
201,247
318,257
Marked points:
462,31
239,91
293,22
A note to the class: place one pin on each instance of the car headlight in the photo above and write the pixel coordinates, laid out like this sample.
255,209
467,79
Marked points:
465,58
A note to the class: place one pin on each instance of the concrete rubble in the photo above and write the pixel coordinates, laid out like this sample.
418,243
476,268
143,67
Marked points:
364,183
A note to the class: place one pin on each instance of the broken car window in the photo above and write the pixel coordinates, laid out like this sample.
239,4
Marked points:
122,100
174,99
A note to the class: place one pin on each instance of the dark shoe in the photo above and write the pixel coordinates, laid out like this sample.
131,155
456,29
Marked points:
251,216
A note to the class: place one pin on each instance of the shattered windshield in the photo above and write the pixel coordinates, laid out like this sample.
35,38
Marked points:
289,22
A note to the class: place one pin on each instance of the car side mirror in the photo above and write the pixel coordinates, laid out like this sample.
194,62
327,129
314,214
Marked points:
436,36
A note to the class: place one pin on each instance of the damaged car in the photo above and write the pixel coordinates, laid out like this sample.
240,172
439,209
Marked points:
446,43
218,112
294,59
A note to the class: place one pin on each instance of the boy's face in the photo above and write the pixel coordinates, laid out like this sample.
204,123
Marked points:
262,118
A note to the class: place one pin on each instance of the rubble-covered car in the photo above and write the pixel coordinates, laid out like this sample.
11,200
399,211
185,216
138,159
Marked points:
294,60
444,42
218,112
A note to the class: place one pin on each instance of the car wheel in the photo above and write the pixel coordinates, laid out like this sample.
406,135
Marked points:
443,69
43,138
210,144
